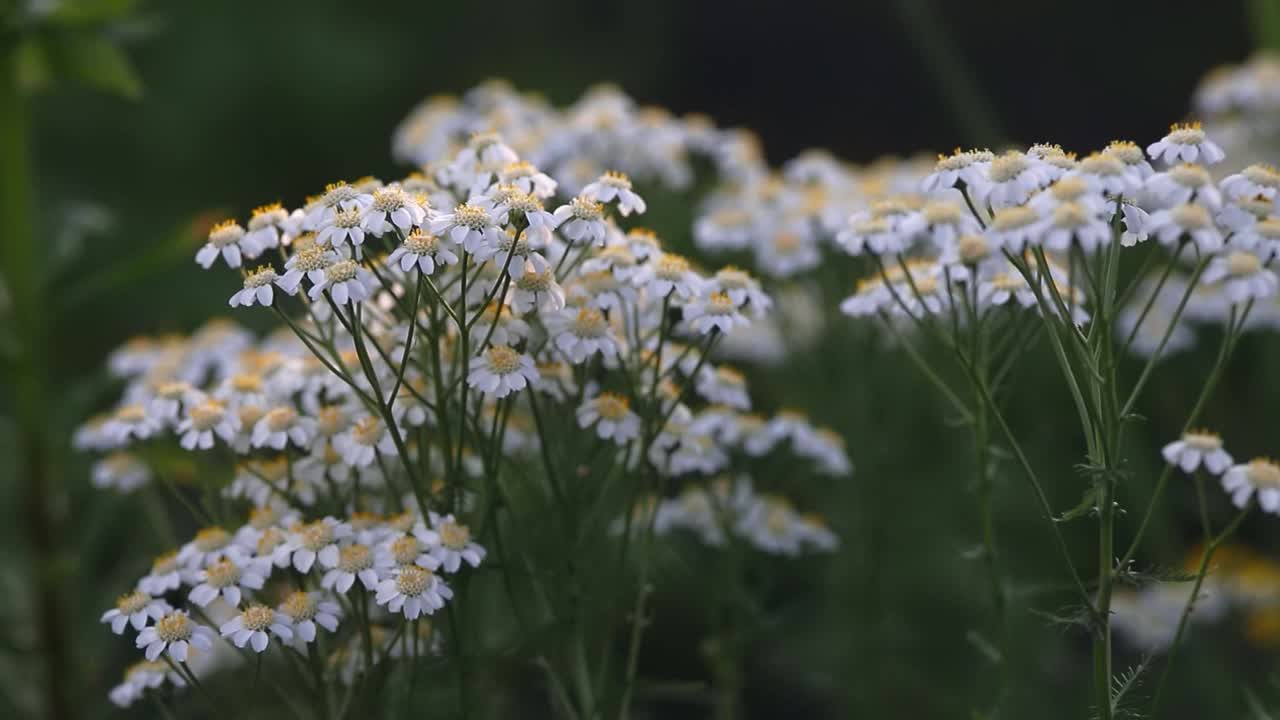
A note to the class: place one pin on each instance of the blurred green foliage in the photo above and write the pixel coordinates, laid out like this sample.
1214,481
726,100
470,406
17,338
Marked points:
251,102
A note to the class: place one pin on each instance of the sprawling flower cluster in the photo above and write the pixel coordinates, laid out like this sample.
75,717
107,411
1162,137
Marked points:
1240,105
434,330
605,130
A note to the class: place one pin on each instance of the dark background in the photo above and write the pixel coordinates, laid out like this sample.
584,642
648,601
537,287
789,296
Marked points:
250,102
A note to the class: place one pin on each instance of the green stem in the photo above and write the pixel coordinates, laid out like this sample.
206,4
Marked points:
23,272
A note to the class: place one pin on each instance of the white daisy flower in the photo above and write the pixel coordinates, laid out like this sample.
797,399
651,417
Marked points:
257,288
1184,183
724,386
164,575
131,421
360,444
1107,173
1243,275
251,625
887,228
669,274
612,416
1074,221
1254,181
177,633
282,424
168,401
742,289
582,220
224,241
528,178
209,545
228,578
355,562
583,332
1129,153
341,228
471,225
413,591
536,289
424,251
539,223
962,166
1170,226
615,185
264,229
603,291
501,371
120,471
1196,448
946,222
405,549
138,679
1136,222
346,281
305,610
455,545
338,197
716,311
1260,475
203,422
135,608
484,156
1015,227
318,540
308,261
1186,143
390,208
1262,237
1010,180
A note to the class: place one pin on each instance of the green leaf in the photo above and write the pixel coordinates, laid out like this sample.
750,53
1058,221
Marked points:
1084,507
91,11
89,58
33,70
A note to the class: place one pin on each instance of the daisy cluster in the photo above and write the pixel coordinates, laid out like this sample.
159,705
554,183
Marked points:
731,507
1240,105
1149,616
1017,229
603,130
1243,583
430,327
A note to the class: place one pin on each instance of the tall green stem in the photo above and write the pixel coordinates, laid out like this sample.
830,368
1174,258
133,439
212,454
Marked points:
21,266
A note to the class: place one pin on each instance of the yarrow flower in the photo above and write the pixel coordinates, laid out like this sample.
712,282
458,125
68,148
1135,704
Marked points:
422,250
250,627
224,241
501,371
135,608
1186,143
1259,475
413,591
176,633
612,416
615,186
1198,448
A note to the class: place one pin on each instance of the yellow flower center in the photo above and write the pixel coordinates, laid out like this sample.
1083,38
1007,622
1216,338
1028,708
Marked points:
130,603
354,558
174,627
455,536
503,360
299,606
413,580
257,617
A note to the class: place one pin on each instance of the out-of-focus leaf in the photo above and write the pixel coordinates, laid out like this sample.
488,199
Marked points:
33,70
91,11
89,58
1084,507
